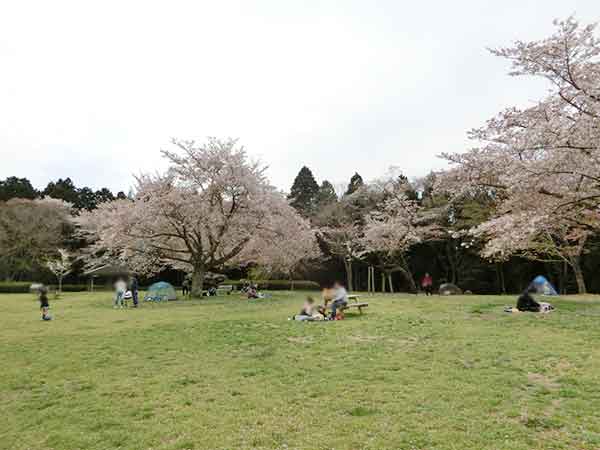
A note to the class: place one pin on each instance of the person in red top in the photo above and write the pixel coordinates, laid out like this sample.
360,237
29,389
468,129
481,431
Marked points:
427,284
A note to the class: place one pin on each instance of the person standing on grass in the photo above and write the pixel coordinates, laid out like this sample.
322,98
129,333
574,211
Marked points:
134,286
120,288
185,286
427,284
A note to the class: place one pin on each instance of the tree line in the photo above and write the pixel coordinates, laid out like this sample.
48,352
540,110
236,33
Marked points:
36,225
83,198
524,201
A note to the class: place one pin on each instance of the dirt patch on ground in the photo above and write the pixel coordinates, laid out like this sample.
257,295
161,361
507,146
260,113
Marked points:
542,380
360,338
301,340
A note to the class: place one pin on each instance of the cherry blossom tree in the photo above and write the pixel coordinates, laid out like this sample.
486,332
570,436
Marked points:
393,227
211,208
340,227
60,266
286,256
532,233
541,163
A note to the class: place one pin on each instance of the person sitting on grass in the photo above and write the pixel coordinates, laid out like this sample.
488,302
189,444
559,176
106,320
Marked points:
339,301
211,292
526,302
44,304
309,311
252,292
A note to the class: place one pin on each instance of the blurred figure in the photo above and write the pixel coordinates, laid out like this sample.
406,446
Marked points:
44,304
339,301
185,286
120,289
427,284
134,287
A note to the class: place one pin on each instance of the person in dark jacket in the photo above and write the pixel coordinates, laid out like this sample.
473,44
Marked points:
134,287
185,286
526,302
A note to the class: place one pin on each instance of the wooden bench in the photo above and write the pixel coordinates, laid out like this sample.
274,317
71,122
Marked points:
354,302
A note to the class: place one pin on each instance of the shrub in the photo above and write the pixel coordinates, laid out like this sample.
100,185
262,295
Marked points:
22,287
14,287
278,285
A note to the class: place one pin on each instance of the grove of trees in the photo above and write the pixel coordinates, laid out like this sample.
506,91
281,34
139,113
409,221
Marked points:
525,200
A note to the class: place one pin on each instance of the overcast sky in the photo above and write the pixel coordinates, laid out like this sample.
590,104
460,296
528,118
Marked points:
94,90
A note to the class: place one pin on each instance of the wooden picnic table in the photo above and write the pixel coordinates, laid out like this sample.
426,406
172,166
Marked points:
353,302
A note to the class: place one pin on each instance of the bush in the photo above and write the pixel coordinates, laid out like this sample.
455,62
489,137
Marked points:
74,287
278,285
22,287
14,287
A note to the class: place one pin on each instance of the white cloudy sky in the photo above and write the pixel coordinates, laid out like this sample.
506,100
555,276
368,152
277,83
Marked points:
93,90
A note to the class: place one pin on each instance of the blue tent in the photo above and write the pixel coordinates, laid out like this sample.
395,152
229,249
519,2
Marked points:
540,285
160,292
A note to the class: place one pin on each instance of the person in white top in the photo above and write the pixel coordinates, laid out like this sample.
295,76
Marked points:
120,288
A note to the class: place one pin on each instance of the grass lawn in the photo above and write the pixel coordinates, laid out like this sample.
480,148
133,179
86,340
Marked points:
411,373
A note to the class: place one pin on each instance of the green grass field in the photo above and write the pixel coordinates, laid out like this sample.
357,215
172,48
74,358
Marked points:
411,373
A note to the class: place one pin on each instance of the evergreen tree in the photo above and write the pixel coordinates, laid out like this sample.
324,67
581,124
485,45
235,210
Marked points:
326,194
14,187
304,192
63,190
86,199
356,182
104,195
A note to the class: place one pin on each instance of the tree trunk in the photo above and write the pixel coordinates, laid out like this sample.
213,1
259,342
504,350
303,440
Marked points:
562,270
389,276
576,265
411,281
450,248
197,282
372,279
348,267
500,274
382,282
59,285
